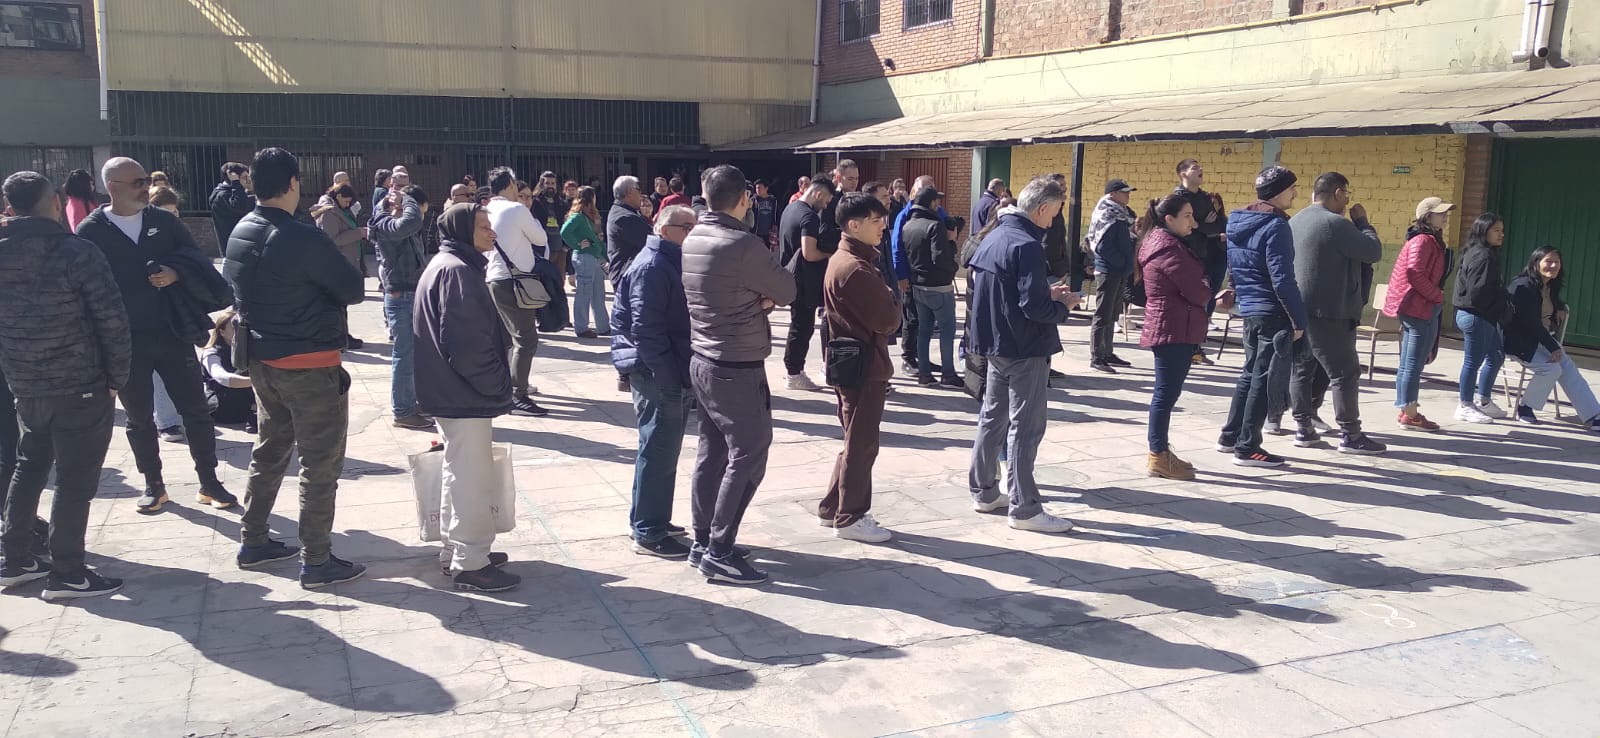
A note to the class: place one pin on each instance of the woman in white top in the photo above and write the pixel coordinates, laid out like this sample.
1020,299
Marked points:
520,241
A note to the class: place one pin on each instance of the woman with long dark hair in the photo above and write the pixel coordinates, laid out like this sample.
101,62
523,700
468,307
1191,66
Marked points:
581,233
1538,313
81,197
1482,307
1176,293
1416,298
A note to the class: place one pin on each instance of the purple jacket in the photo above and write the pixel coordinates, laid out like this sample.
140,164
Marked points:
1175,291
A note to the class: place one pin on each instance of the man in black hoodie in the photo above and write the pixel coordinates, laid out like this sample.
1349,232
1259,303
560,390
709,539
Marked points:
65,352
140,242
231,200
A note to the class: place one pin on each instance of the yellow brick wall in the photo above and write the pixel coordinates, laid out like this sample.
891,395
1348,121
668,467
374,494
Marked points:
1438,169
1150,166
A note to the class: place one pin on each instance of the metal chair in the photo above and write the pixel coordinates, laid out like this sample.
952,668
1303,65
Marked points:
1382,327
1227,327
1522,377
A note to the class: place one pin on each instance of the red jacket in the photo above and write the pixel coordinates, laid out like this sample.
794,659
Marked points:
1414,284
1176,291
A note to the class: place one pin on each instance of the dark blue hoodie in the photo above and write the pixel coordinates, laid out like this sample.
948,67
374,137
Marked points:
1261,264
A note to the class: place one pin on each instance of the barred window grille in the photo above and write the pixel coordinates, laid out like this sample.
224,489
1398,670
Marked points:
925,12
858,19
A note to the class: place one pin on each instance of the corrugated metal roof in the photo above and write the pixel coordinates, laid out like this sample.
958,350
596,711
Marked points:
1550,99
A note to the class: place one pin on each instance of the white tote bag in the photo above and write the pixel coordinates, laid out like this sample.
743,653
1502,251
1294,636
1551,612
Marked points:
427,482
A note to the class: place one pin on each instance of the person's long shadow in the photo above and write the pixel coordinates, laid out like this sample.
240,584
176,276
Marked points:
539,618
1215,511
265,658
26,665
968,602
1341,568
1449,497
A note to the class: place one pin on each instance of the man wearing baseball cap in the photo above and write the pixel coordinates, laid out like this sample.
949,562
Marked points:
1111,240
1261,265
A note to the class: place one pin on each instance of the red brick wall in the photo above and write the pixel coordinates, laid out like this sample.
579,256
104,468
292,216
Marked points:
40,64
1028,26
913,50
891,165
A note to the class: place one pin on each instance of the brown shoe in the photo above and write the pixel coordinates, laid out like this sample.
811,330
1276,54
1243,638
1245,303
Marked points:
1167,466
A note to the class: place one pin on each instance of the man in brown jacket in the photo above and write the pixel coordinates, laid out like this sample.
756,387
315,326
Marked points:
859,306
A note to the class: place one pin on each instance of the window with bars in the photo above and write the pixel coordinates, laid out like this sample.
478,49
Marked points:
925,12
52,162
858,19
41,26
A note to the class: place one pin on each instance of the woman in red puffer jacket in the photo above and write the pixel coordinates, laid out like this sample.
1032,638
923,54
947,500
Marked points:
1416,298
1176,293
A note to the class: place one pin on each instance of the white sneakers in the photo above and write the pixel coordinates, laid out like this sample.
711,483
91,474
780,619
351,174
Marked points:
865,530
1471,414
998,503
1042,523
801,383
1487,407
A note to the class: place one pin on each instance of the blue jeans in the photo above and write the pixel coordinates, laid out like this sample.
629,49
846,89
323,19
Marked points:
663,414
933,307
166,413
1481,341
1172,368
1545,376
590,297
1263,338
1416,344
403,382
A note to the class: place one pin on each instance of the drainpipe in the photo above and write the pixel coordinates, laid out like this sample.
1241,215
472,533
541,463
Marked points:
1530,24
986,30
100,54
1075,197
816,65
1541,40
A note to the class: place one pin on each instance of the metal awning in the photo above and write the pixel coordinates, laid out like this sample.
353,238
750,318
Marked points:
1491,102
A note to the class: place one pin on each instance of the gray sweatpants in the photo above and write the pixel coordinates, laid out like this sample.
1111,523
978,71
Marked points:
1017,389
735,436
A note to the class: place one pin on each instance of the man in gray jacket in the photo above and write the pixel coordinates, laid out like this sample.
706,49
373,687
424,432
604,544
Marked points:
65,348
1331,256
731,281
399,234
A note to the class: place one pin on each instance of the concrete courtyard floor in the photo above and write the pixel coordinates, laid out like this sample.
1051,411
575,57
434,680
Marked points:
1446,589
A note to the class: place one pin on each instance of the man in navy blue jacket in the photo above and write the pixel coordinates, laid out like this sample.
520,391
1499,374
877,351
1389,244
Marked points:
1261,267
1015,310
650,344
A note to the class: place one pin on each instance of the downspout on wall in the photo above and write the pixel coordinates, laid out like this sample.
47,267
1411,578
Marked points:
986,30
100,57
816,65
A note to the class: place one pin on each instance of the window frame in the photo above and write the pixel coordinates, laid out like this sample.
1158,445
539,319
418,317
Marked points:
927,6
859,6
73,21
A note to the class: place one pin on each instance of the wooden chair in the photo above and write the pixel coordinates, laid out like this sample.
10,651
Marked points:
1383,327
1522,378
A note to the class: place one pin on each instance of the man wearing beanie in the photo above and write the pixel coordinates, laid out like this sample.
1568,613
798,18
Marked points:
1261,265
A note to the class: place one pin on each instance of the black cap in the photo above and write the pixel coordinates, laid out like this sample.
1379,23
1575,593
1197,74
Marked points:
927,196
1119,185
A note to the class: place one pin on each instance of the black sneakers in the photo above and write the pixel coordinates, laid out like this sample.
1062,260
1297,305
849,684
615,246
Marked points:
731,569
86,583
333,571
666,547
217,496
488,579
926,380
415,421
526,408
697,554
1257,458
1525,415
22,572
251,557
497,559
1361,445
1307,437
1102,367
1116,360
154,497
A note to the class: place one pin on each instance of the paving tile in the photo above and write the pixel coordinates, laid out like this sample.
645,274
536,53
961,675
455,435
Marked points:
1246,704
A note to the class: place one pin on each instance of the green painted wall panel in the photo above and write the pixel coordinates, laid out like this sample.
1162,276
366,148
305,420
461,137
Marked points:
1544,189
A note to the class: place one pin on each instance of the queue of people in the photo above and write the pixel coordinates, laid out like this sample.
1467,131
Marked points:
138,308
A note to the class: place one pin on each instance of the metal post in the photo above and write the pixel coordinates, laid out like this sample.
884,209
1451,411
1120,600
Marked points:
1075,209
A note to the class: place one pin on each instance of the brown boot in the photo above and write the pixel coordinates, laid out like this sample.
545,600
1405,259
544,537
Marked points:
1167,466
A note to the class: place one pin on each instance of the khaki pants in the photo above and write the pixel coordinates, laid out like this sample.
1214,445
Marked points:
308,408
466,525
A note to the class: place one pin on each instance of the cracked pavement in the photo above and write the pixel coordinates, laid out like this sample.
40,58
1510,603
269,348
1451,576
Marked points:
1443,589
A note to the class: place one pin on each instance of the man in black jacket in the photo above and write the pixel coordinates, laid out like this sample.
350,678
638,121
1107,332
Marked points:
931,251
140,241
626,229
293,289
65,351
231,199
1208,239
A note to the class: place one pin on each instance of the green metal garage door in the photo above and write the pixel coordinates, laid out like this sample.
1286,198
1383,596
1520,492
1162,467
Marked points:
1544,188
